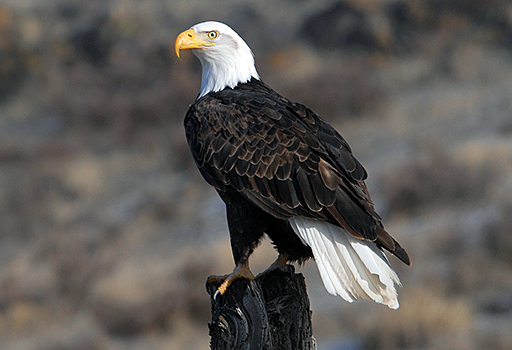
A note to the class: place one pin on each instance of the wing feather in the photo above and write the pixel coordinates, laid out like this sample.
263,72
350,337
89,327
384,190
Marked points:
284,158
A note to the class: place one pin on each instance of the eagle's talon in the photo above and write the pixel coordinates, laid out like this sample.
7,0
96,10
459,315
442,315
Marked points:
241,271
292,269
217,296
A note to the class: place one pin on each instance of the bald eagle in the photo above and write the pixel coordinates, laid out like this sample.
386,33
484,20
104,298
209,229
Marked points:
283,171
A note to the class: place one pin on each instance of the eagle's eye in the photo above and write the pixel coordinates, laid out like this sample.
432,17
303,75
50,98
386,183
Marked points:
213,34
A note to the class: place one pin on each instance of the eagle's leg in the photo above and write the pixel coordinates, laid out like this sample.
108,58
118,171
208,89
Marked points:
280,264
281,261
246,224
240,271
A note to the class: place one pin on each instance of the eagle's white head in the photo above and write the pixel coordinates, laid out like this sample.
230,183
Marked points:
225,57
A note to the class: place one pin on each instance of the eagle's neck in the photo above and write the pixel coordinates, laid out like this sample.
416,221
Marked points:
226,68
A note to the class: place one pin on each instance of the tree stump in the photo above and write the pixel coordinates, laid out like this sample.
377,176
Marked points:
270,312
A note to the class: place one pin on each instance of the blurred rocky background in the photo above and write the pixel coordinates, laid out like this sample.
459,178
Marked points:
108,232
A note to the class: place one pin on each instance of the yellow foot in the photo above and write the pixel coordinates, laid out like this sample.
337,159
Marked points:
240,271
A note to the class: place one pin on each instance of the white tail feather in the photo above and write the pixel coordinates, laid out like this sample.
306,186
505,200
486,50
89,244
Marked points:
351,268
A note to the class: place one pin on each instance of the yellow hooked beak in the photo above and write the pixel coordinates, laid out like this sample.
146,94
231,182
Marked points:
188,40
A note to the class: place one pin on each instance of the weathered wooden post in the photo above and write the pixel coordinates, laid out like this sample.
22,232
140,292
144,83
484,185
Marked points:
270,312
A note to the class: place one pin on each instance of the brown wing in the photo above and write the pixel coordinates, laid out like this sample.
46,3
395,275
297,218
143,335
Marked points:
284,158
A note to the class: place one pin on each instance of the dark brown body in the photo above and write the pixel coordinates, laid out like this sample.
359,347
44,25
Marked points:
271,159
